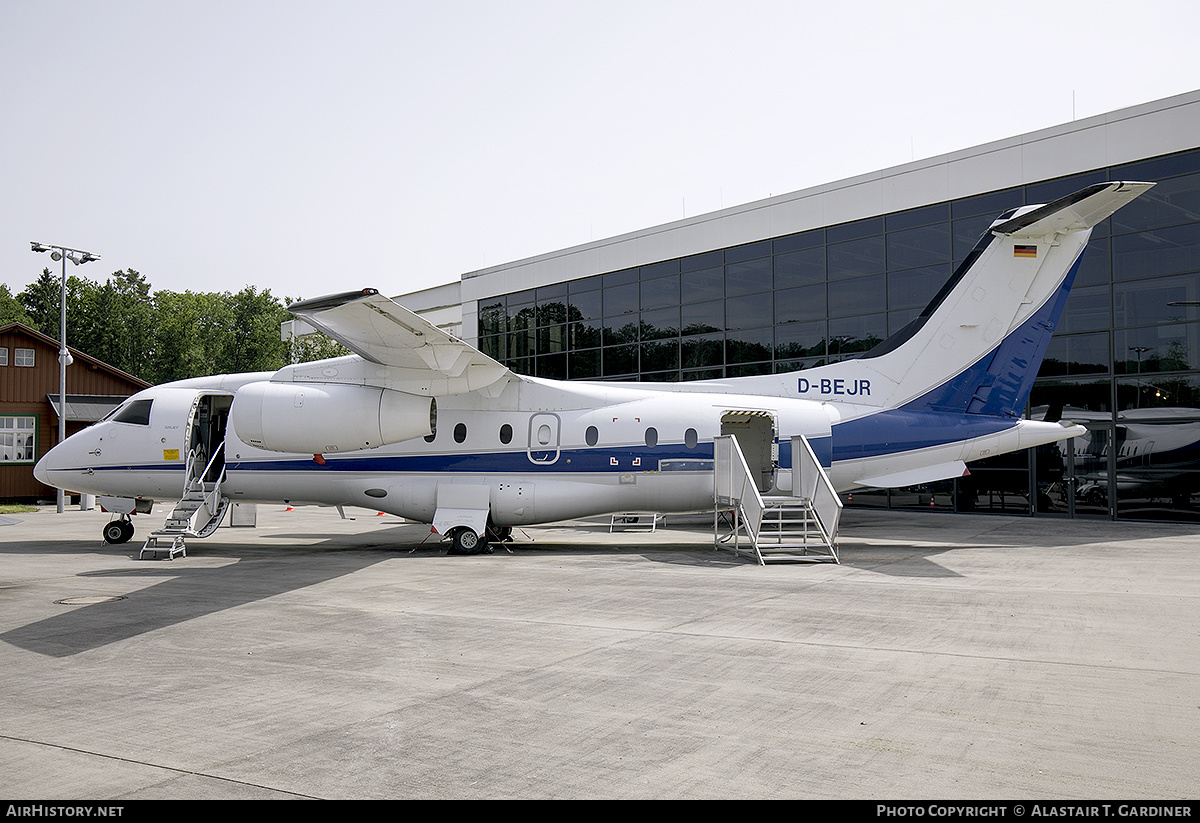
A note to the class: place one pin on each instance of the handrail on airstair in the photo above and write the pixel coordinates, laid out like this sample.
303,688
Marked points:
813,503
197,497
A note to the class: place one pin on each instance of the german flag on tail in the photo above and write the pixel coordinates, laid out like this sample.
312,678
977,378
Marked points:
1024,251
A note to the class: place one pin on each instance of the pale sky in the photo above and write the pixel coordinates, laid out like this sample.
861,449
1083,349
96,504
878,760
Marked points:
310,148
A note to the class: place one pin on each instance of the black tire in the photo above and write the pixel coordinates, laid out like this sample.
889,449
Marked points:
117,531
465,541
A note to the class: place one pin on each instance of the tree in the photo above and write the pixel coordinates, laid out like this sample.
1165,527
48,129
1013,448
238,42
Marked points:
41,300
253,342
11,310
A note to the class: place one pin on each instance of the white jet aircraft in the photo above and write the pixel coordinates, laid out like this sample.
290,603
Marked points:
420,424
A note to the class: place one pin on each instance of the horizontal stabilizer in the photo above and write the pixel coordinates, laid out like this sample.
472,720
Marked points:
914,477
1075,212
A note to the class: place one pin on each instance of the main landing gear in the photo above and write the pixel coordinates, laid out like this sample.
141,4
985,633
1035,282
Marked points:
119,530
464,540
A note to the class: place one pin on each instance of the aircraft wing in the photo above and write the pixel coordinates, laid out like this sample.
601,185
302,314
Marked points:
381,331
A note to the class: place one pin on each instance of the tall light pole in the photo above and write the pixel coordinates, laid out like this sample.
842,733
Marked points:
78,257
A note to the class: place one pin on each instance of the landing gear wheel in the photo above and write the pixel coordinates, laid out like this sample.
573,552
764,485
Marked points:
465,541
499,534
118,531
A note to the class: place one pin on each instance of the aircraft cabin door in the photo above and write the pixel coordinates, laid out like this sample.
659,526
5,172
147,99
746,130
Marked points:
543,438
206,436
755,433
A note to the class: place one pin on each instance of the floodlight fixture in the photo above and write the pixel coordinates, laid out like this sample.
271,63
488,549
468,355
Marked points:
78,257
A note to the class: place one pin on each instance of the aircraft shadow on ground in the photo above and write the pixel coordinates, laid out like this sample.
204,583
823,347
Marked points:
263,568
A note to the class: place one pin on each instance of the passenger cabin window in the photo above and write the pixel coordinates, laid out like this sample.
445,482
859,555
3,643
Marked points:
136,412
651,437
591,436
690,438
543,435
460,432
506,434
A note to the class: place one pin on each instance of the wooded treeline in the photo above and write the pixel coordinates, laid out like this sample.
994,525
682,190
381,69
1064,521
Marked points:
164,335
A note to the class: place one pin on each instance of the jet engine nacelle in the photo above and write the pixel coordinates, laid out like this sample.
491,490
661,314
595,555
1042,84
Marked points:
316,418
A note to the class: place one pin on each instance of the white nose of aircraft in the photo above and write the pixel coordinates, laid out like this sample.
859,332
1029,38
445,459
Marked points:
59,463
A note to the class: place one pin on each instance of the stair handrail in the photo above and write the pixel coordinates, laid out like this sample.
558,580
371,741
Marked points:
810,480
212,498
734,485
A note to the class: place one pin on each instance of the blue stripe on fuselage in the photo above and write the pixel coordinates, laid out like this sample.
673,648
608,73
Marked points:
586,460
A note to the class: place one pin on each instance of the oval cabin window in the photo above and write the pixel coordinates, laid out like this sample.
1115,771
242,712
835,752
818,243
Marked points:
591,436
506,434
460,432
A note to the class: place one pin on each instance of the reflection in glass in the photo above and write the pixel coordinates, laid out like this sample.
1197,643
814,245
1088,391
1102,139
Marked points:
622,299
850,335
800,304
660,356
703,351
996,484
750,345
1169,203
748,312
914,288
856,257
800,268
660,292
858,296
922,246
703,284
699,318
620,360
1086,310
1076,354
1173,299
1162,251
660,323
1157,349
800,340
751,277
1157,452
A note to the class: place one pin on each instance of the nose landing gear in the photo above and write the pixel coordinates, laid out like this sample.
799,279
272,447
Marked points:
119,530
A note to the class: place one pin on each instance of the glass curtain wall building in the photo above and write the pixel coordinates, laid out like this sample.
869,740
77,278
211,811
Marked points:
1124,362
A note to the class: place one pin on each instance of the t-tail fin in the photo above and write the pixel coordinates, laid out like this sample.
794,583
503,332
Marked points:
977,347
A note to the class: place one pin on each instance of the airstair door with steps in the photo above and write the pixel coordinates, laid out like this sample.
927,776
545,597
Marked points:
770,529
202,506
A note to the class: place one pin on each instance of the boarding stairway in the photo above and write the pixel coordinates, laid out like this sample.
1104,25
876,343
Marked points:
800,527
198,513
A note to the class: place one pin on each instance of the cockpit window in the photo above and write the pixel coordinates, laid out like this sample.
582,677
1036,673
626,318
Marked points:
136,412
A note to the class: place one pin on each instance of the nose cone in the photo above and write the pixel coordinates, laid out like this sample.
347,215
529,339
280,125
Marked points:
49,467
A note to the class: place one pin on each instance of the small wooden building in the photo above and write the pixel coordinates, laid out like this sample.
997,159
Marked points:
29,400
